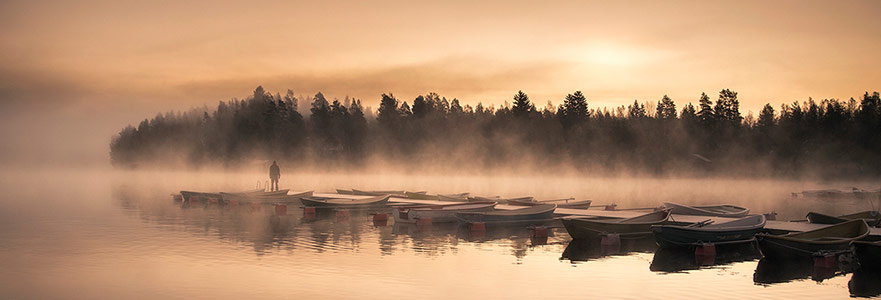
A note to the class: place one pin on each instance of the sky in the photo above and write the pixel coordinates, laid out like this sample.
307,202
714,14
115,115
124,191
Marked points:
85,69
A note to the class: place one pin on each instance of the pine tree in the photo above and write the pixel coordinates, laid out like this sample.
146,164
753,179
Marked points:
522,106
666,108
705,115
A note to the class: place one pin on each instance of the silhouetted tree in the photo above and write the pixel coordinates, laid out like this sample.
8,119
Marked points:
522,106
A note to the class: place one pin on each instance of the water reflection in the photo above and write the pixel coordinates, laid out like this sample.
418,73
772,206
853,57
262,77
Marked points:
681,259
771,271
589,249
865,283
267,228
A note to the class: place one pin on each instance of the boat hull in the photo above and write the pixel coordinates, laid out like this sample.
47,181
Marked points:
804,245
405,215
725,210
535,213
345,203
586,229
680,236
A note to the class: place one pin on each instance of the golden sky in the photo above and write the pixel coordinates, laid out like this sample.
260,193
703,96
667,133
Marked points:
142,57
173,52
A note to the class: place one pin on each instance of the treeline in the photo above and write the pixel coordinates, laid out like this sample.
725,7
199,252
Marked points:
828,137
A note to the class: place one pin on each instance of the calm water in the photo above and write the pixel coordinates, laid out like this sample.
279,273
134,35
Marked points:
85,234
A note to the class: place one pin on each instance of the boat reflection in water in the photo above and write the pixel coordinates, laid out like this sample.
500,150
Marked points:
865,283
773,271
680,259
594,248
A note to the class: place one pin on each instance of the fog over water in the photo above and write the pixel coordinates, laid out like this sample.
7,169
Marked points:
91,233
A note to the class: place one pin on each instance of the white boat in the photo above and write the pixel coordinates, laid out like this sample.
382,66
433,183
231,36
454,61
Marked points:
722,210
439,213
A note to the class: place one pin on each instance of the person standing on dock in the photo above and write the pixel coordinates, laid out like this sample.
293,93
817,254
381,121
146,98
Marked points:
274,174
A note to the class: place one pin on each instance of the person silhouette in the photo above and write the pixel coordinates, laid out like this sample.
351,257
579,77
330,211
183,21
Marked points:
274,174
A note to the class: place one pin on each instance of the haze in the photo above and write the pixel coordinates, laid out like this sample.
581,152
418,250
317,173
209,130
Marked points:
73,73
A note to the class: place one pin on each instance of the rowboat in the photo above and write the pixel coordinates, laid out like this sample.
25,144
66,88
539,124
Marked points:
439,213
424,196
344,192
834,194
481,198
868,253
457,198
377,193
532,213
420,196
338,202
724,210
735,231
267,198
871,217
585,204
259,192
832,238
586,228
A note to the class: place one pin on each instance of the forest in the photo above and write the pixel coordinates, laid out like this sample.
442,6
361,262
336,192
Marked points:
827,138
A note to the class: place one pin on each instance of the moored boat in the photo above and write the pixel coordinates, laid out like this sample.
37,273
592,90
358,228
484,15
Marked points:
871,217
587,228
377,193
420,196
267,198
425,196
481,198
457,198
585,204
340,202
740,230
532,213
722,210
439,213
833,238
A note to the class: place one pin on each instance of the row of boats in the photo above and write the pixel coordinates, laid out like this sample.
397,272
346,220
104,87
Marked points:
734,225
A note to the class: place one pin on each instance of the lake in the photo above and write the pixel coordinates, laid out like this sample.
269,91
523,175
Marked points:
94,233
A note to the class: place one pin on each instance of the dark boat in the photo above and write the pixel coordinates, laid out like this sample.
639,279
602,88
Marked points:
868,253
341,203
741,230
585,228
585,204
378,193
722,210
439,213
426,196
532,213
803,245
871,217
